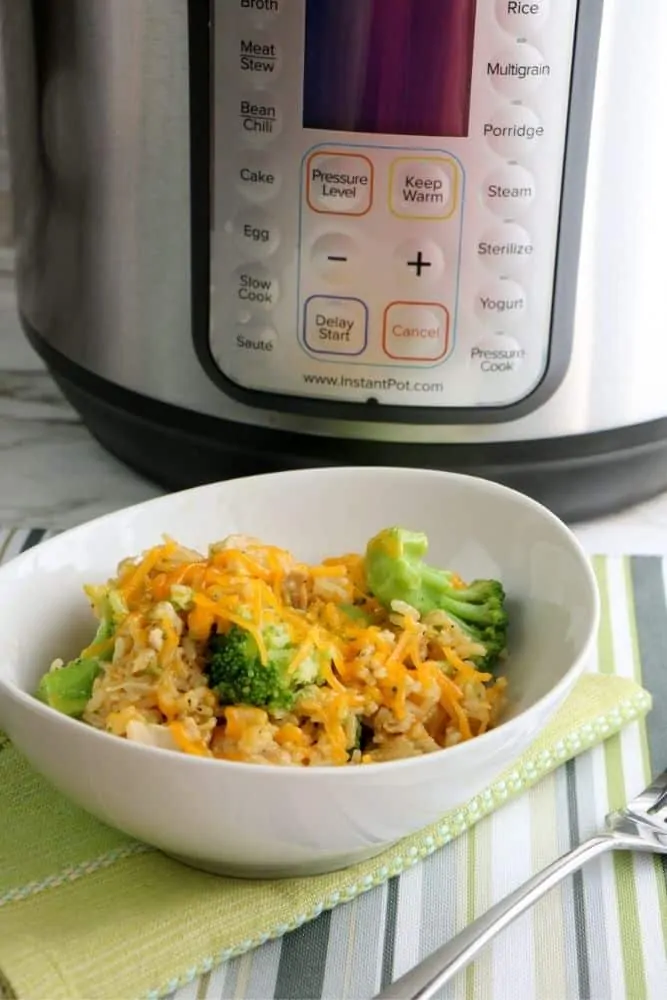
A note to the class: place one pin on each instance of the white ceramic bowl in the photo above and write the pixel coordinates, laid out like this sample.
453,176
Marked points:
263,821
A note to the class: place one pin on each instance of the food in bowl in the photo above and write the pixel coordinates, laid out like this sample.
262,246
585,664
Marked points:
248,654
265,821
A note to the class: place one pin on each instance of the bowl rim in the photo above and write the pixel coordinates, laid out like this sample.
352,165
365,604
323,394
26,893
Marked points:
555,693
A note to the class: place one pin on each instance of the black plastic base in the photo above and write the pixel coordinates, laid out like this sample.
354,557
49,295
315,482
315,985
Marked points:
577,477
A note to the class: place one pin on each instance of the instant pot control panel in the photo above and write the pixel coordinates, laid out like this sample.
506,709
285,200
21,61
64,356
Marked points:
386,189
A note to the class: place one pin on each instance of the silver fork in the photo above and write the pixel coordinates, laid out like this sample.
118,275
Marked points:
641,826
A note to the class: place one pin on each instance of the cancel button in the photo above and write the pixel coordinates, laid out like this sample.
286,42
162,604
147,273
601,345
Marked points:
416,331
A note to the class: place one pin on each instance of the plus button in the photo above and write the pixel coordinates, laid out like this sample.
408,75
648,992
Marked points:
419,264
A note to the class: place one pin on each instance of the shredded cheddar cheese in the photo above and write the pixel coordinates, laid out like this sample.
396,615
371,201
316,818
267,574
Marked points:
186,742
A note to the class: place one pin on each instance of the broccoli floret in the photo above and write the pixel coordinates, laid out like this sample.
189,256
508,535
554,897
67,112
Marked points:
396,571
69,688
239,677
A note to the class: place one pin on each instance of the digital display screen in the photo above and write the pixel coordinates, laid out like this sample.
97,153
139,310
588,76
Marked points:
399,67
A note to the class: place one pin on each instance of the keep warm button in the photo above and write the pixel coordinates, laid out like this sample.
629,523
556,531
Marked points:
416,331
335,325
423,187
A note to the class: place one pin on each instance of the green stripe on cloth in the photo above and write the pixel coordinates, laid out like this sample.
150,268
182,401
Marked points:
548,915
203,985
626,890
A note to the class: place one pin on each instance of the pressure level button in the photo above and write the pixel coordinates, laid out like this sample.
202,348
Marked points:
339,184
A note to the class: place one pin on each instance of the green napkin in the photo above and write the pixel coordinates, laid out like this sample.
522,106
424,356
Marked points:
86,912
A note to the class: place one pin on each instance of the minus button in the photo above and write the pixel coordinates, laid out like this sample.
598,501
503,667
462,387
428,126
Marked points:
336,257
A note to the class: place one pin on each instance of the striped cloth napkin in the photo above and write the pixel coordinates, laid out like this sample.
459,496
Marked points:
90,914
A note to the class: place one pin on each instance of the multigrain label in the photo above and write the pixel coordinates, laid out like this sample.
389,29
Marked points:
521,71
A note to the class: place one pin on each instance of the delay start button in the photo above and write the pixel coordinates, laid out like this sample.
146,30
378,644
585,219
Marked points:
416,331
335,325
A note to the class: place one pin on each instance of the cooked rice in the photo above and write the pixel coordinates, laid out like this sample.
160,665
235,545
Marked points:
411,682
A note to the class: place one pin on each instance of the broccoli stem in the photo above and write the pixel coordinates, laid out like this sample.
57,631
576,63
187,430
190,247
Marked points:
105,631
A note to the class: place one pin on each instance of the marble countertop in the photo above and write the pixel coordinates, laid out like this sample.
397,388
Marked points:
53,474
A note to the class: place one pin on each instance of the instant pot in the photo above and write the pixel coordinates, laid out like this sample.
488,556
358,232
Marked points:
259,234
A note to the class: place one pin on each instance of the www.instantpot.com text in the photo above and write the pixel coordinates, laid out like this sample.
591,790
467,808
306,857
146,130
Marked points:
391,384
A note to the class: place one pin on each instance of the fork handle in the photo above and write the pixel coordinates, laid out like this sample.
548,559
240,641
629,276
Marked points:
438,968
